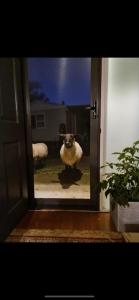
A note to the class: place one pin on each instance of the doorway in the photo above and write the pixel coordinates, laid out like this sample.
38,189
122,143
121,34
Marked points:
64,98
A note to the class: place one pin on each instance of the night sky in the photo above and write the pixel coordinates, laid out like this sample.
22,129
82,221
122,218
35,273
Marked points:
63,79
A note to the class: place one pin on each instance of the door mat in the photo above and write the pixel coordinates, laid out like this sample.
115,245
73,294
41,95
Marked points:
57,236
131,237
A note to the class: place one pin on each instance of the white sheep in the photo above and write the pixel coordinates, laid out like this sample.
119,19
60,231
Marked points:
70,152
40,152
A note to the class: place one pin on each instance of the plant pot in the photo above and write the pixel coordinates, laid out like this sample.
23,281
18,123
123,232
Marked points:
126,219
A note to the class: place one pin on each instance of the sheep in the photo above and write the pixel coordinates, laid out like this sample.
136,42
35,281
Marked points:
40,152
70,152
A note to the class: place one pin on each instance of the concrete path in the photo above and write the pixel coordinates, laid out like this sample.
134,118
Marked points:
52,181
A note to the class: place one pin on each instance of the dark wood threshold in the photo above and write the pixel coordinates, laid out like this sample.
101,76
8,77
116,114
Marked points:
67,204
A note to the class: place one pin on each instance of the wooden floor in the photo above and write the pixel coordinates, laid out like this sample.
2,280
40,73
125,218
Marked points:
72,220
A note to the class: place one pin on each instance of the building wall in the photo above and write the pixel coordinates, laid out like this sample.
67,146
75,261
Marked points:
54,116
53,120
120,108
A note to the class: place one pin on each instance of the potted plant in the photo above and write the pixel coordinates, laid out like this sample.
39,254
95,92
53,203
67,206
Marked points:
122,184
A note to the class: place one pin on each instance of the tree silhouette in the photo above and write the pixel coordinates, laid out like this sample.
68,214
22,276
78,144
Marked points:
35,92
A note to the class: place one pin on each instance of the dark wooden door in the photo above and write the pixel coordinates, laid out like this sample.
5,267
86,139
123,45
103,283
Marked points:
13,160
95,116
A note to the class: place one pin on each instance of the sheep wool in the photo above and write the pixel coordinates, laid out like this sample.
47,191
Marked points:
72,155
40,150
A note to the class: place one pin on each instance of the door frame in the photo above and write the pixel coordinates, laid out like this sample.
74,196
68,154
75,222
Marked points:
27,115
93,204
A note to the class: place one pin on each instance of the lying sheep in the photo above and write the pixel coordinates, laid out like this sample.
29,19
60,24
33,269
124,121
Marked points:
40,152
70,152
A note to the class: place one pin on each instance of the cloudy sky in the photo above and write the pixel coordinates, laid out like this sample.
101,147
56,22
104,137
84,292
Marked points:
63,79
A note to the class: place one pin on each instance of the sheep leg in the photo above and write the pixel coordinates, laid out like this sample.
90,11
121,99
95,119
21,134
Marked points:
67,167
75,166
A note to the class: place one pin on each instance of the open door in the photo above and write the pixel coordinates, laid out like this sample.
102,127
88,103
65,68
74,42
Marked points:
64,97
13,159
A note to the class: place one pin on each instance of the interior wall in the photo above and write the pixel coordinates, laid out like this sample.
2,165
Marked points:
119,109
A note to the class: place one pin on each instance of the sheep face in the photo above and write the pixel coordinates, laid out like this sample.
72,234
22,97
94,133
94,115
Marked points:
68,140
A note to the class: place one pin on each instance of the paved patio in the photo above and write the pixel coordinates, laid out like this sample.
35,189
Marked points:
52,181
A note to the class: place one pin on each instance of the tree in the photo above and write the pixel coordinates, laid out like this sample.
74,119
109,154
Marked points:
35,92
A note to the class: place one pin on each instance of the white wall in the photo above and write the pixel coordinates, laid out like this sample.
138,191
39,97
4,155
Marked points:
120,108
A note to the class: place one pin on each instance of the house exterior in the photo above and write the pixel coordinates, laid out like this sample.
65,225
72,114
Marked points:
46,119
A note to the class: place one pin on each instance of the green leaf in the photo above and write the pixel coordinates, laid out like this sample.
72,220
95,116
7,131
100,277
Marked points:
117,153
107,192
121,156
104,184
128,149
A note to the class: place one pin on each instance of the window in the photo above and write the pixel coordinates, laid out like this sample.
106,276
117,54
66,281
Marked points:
38,121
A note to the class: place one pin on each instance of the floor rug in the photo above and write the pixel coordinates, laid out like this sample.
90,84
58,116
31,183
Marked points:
58,236
131,237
